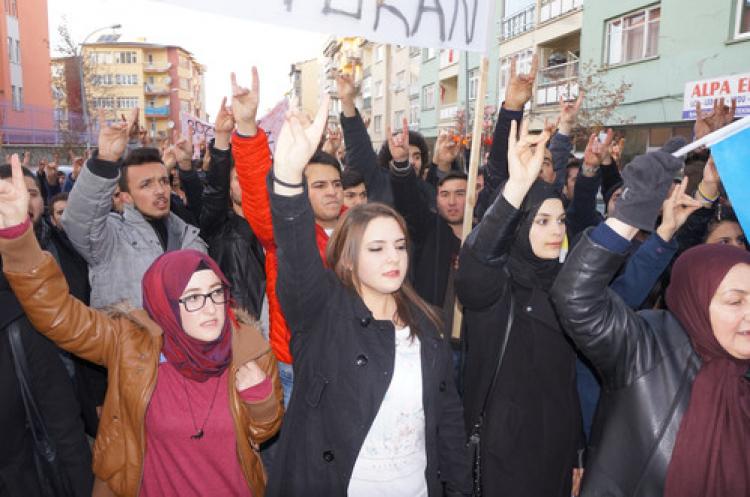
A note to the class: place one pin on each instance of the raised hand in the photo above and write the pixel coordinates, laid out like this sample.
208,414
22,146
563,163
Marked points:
50,172
183,151
596,152
224,122
248,375
113,138
333,141
675,210
569,114
169,157
520,86
245,104
720,116
77,166
398,144
14,196
708,188
346,88
296,144
523,163
446,151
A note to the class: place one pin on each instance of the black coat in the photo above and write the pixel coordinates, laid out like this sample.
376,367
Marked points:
532,426
647,365
54,393
343,363
231,241
434,245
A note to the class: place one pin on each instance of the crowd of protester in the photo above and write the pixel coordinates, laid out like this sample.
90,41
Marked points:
229,320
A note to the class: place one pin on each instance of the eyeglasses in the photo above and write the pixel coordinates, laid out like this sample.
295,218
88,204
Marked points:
196,301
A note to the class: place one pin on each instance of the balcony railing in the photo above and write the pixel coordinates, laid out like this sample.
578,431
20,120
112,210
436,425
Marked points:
162,111
518,23
555,8
448,112
554,81
150,89
154,67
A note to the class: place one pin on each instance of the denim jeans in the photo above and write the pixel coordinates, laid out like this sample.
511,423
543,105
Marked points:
286,375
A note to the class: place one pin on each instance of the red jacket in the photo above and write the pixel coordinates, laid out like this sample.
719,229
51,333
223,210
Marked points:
252,158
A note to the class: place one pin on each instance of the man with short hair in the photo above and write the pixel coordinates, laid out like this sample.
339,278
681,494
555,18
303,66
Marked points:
57,206
355,190
119,249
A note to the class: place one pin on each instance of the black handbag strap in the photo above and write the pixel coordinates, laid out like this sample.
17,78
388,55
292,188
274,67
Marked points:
501,356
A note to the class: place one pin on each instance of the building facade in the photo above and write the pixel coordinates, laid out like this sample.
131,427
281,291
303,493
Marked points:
659,47
164,81
306,77
26,107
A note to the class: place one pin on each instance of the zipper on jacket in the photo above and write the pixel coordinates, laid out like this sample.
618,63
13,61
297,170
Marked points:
145,399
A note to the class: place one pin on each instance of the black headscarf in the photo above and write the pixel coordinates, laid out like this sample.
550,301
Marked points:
525,268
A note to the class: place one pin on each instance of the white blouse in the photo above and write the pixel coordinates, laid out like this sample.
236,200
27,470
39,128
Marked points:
392,460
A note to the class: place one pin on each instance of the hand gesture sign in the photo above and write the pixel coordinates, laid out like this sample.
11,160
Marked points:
524,163
245,104
113,138
720,116
675,210
14,197
398,144
183,151
520,86
297,142
347,90
224,122
50,172
333,141
569,113
446,150
248,375
596,152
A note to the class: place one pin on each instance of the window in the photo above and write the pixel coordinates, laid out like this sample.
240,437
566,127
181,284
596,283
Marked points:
400,84
127,102
103,79
379,53
555,8
473,85
10,49
398,120
18,51
428,96
378,89
429,53
17,95
184,84
633,37
185,106
414,115
104,103
126,79
150,58
743,19
125,58
377,123
100,58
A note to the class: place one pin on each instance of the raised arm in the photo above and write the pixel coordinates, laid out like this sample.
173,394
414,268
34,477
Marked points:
481,268
407,198
619,342
215,200
302,282
90,201
40,286
561,143
359,152
252,159
189,180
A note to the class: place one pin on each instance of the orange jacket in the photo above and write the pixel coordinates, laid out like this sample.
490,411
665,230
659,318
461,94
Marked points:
252,159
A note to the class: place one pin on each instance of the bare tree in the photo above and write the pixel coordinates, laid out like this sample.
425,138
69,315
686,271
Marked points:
603,99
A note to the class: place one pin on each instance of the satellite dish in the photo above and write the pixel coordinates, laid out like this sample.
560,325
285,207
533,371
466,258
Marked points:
170,124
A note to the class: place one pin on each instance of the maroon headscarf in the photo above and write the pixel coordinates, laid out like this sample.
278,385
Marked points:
711,457
163,284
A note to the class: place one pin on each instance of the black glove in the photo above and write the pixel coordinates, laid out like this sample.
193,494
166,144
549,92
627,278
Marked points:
646,183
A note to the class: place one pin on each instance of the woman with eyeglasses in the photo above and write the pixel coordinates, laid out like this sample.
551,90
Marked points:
192,392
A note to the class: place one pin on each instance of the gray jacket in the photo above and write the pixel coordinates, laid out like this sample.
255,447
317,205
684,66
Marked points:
118,248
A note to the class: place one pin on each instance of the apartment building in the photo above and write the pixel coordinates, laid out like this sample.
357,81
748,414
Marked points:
673,52
306,78
26,107
164,81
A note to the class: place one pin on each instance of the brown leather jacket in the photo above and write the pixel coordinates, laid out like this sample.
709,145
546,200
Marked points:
129,346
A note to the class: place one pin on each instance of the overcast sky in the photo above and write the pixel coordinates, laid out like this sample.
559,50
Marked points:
222,43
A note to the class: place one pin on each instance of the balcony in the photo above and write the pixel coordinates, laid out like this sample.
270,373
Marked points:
353,54
518,23
448,112
150,89
556,81
448,57
156,67
551,9
162,111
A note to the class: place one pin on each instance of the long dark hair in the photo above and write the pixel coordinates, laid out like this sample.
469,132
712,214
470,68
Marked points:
342,255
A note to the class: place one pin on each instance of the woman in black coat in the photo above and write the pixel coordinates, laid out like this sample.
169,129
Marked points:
674,416
531,425
374,410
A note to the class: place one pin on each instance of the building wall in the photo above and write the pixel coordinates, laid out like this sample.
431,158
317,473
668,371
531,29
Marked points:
310,84
695,42
25,65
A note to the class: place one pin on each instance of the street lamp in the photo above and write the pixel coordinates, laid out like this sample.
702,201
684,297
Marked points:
84,104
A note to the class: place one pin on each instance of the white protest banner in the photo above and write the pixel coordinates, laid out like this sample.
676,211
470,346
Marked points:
272,122
459,24
706,90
